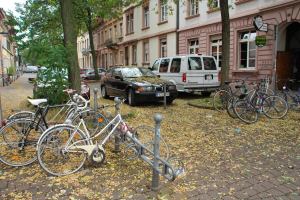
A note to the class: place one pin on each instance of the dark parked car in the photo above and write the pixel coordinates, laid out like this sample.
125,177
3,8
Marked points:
90,74
136,84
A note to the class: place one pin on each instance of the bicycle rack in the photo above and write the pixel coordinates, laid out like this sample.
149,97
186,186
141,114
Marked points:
159,165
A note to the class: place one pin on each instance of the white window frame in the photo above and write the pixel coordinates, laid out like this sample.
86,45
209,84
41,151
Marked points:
163,47
215,2
193,7
248,41
217,44
146,17
194,47
163,10
146,52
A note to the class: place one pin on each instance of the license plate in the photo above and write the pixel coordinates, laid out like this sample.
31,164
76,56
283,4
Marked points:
161,94
209,77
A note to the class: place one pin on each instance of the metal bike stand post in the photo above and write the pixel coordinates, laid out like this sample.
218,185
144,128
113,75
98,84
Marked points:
95,99
165,95
1,112
117,111
155,174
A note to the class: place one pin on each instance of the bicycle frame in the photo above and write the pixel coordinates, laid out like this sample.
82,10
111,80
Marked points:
116,121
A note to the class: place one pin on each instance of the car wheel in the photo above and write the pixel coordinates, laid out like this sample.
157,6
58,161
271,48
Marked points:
131,98
103,92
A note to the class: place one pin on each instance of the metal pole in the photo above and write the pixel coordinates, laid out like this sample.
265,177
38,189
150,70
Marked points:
117,111
95,99
165,95
1,112
155,174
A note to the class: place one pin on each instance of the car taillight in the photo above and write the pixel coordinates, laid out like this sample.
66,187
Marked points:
184,77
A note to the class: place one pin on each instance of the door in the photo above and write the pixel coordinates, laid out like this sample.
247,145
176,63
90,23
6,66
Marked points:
194,75
210,72
283,69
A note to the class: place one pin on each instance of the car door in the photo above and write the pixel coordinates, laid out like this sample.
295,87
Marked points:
210,71
194,74
118,84
107,80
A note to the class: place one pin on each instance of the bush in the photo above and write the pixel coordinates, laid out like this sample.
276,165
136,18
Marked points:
11,71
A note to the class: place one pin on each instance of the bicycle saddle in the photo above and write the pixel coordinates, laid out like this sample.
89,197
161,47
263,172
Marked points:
36,102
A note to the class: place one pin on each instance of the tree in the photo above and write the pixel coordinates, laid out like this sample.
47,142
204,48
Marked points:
70,30
225,40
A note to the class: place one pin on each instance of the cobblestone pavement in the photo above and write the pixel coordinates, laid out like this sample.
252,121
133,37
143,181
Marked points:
224,159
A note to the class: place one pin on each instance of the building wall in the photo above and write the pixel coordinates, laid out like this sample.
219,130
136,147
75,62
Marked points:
83,49
274,13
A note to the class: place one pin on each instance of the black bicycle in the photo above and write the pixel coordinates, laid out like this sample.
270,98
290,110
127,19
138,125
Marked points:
291,97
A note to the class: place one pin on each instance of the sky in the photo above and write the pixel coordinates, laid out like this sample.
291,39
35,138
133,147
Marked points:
10,4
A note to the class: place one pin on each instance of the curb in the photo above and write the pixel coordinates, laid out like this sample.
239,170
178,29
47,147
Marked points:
200,106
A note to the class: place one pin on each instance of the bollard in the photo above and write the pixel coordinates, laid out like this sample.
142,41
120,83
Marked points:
165,95
155,175
117,111
95,99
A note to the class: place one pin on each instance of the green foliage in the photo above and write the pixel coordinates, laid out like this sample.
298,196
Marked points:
11,71
50,84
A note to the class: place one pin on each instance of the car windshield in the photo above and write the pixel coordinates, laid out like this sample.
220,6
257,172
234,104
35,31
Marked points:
135,72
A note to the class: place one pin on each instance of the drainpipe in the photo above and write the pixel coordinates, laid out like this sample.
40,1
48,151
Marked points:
177,27
274,73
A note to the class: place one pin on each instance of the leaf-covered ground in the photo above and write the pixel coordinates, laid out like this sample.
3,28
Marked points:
224,159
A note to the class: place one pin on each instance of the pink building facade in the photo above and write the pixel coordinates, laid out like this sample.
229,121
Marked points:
278,59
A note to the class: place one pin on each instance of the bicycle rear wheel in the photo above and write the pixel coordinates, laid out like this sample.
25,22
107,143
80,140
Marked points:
52,155
220,100
275,107
18,141
230,107
245,111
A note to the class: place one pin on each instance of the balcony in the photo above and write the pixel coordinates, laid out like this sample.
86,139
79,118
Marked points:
85,51
111,44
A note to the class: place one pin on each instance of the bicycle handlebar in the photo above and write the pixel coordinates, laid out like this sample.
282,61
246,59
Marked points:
78,97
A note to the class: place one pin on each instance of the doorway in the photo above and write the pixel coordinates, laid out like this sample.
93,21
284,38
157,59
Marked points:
288,55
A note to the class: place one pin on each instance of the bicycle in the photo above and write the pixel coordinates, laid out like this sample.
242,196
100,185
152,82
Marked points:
292,98
18,137
63,149
272,106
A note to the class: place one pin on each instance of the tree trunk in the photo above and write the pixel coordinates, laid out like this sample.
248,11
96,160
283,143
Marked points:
90,31
225,40
70,41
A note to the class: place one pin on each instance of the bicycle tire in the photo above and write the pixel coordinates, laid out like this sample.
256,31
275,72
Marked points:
220,100
230,107
245,111
277,107
14,150
58,162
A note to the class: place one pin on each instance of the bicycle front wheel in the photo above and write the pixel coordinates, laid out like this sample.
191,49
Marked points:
230,107
53,153
18,141
275,107
245,111
220,99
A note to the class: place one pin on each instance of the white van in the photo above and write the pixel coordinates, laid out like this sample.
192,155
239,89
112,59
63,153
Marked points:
190,73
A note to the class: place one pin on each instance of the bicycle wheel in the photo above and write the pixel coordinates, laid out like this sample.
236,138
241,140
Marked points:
145,134
94,121
230,107
18,141
220,99
51,152
245,111
275,107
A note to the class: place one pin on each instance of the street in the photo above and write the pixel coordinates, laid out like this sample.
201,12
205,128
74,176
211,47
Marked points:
223,158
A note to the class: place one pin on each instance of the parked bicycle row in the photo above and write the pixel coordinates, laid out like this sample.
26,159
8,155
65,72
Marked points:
81,133
248,101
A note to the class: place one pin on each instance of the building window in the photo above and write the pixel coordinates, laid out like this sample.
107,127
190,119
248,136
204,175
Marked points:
146,52
163,47
129,22
121,57
163,10
216,50
134,54
247,49
213,4
194,46
116,32
193,7
146,16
